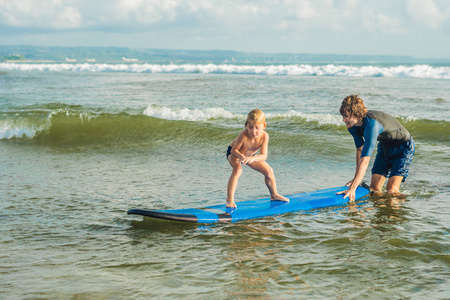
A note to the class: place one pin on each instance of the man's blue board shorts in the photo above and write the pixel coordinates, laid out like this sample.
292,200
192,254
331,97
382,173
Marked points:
395,160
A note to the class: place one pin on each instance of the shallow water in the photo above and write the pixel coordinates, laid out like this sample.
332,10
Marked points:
79,149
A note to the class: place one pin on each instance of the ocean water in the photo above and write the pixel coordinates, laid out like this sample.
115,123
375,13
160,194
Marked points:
80,144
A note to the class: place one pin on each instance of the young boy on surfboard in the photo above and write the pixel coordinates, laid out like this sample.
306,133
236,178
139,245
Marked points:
242,151
394,152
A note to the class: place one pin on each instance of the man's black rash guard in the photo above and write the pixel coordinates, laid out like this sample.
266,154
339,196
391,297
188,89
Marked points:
378,126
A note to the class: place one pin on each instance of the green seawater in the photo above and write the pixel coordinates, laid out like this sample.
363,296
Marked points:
79,149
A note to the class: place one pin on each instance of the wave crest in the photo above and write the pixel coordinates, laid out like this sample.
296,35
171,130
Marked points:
74,126
401,71
186,114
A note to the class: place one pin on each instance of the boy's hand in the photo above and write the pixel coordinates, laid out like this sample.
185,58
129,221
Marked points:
350,193
247,160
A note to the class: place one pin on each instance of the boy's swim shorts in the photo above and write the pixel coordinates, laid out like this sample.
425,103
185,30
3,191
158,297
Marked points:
229,151
395,160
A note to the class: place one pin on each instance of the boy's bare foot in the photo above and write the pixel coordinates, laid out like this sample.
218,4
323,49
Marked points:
231,204
279,198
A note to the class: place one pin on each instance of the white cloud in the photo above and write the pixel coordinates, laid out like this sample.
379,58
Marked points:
67,18
378,15
303,9
382,24
51,14
144,12
231,24
426,12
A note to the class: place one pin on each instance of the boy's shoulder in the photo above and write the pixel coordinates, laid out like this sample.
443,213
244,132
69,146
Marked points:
243,133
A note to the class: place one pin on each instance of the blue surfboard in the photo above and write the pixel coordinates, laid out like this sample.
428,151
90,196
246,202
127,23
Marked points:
253,209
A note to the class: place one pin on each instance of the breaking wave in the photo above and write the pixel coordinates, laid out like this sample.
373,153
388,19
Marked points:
77,125
398,71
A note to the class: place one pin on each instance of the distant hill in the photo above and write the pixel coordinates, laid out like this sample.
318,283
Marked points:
118,54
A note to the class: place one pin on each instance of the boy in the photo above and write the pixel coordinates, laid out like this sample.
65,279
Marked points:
395,148
242,152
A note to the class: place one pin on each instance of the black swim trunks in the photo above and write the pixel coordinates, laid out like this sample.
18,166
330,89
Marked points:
229,151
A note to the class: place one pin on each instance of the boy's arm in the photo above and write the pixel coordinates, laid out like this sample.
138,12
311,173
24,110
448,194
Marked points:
358,160
360,172
237,145
361,167
263,151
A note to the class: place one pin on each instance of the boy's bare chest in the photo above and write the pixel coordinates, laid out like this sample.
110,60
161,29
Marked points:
252,144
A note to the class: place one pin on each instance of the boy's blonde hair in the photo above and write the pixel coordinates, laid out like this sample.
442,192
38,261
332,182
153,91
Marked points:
354,106
256,115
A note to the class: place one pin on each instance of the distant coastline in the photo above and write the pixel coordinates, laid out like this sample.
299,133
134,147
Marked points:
40,54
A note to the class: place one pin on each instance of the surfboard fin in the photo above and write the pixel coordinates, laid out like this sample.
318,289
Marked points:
365,185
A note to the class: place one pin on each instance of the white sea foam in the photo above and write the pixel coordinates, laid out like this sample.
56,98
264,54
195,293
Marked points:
206,114
27,125
187,114
11,130
321,119
416,71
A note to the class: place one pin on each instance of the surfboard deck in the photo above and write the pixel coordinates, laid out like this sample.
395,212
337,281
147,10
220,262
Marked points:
254,209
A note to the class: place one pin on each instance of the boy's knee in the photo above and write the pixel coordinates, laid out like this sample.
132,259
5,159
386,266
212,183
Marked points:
237,170
269,172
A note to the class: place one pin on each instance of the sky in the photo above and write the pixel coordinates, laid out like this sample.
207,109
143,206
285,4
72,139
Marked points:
418,28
